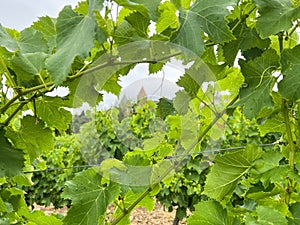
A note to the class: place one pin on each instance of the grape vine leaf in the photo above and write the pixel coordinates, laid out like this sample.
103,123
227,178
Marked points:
32,137
206,16
39,218
232,82
167,18
210,212
251,39
46,26
273,124
289,86
228,169
268,215
181,102
89,198
190,85
28,65
75,37
146,7
50,110
6,40
295,210
259,82
275,16
94,5
30,41
11,160
139,22
123,33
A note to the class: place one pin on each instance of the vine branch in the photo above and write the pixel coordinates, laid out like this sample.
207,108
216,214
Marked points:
285,112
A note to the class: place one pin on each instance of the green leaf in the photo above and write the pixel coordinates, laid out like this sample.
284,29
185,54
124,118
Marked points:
259,82
277,175
289,86
28,65
112,85
190,85
94,5
228,169
267,215
295,210
6,40
273,124
39,218
147,8
46,25
50,110
251,39
167,18
275,16
89,198
164,108
32,41
123,33
11,160
189,130
32,137
139,22
181,102
75,37
204,16
209,212
155,67
232,82
231,50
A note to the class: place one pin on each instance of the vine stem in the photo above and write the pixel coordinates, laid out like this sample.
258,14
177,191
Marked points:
192,146
285,112
289,185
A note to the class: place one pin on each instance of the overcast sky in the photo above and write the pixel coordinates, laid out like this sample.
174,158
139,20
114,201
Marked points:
19,14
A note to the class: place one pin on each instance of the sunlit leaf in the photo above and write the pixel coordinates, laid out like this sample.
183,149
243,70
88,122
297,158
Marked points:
204,16
33,137
75,37
276,16
289,86
228,169
259,82
93,199
210,212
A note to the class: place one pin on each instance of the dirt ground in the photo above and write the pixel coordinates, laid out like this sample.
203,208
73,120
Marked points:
140,216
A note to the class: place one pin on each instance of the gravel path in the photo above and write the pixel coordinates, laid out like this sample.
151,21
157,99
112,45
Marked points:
140,216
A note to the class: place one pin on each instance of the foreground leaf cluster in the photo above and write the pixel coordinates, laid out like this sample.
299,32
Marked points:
243,61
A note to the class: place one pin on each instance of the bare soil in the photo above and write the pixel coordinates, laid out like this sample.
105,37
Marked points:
140,216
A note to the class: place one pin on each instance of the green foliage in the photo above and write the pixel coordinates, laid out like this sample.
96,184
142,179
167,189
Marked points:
228,170
250,186
71,27
275,16
94,198
214,214
48,186
12,161
186,187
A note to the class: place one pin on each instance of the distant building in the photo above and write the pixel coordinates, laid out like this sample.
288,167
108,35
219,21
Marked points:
142,96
